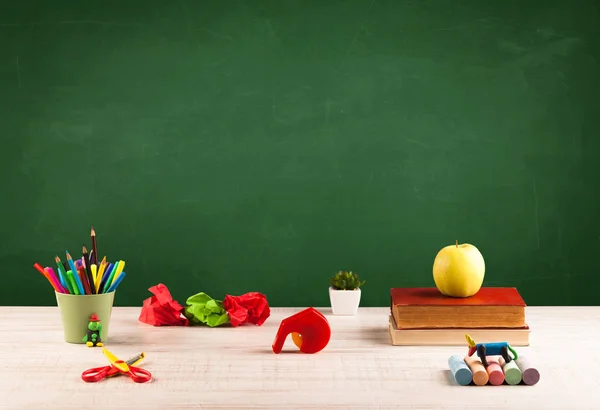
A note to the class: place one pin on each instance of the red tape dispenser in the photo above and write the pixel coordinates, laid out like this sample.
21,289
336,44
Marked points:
309,328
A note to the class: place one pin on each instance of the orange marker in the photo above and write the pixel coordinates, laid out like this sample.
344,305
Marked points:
41,270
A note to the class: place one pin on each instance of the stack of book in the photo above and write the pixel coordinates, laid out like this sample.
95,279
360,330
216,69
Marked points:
423,316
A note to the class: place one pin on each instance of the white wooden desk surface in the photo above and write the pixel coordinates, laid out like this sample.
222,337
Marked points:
200,367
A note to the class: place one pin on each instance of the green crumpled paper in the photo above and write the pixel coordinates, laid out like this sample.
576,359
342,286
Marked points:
202,309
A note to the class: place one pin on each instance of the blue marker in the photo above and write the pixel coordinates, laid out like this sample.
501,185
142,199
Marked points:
119,279
105,277
75,274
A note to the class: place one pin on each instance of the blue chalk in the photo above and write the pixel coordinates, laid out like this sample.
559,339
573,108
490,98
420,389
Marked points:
461,372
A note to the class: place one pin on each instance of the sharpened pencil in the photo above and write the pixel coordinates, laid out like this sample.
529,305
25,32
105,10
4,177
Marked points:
75,275
83,277
62,274
88,270
94,247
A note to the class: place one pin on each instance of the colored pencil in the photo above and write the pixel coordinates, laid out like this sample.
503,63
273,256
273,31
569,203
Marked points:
86,275
113,287
100,274
88,270
101,268
94,246
83,277
75,275
71,278
62,276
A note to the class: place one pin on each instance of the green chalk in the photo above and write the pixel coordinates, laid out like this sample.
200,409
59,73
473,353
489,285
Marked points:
512,373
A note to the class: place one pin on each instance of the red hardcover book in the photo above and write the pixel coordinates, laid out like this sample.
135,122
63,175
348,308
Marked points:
414,308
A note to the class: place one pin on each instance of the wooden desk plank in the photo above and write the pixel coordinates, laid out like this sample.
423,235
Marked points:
235,367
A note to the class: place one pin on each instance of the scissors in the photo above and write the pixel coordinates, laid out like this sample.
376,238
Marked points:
118,366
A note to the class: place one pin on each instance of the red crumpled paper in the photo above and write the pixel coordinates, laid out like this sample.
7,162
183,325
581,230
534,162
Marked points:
251,307
161,309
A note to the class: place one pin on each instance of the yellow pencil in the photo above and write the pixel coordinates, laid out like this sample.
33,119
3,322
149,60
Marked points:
118,271
94,275
100,273
101,269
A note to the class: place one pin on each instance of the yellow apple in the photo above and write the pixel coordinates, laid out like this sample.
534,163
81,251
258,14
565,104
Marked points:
458,270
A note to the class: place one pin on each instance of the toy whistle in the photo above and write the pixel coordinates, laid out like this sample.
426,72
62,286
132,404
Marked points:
309,328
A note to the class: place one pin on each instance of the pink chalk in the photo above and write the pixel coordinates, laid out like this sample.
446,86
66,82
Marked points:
494,371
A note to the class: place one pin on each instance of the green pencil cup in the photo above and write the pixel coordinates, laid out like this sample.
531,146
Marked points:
76,311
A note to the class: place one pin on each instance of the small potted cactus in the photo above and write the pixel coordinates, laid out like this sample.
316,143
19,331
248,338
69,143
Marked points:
344,293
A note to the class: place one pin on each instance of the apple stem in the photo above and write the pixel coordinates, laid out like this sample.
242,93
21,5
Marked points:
457,243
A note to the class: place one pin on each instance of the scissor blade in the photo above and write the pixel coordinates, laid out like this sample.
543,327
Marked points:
114,359
133,361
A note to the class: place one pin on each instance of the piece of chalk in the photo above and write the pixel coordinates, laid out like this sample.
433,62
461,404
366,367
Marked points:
530,374
480,375
512,373
461,372
494,371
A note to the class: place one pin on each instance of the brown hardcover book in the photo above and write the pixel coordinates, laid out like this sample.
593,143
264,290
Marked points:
414,308
456,337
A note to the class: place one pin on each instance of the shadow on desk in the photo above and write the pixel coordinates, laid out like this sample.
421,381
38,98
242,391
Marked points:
375,335
447,378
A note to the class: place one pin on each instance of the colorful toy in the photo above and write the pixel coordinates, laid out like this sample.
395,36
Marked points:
94,332
309,328
494,366
490,349
117,366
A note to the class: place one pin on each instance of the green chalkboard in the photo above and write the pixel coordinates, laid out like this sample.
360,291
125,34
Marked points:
240,146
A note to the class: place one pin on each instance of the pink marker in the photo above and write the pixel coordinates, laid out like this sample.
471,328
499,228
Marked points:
55,281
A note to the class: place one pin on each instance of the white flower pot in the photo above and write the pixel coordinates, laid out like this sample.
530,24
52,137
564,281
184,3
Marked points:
344,302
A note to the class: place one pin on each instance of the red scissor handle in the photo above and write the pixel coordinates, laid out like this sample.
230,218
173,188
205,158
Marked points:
98,373
139,375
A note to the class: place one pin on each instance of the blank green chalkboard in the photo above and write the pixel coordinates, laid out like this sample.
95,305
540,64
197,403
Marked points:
240,146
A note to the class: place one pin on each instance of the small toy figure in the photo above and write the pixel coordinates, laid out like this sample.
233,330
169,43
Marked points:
490,349
94,332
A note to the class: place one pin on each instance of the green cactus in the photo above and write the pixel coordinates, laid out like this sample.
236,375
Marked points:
345,281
